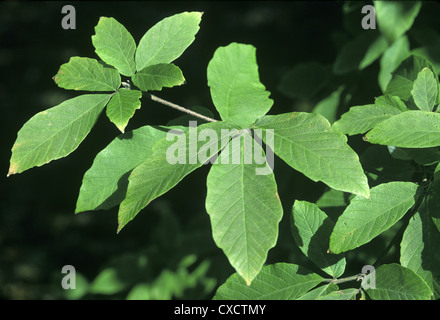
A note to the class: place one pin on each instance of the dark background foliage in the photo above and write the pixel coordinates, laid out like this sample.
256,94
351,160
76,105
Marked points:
39,232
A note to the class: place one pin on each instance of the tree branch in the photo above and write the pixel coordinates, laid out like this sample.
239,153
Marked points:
342,280
180,108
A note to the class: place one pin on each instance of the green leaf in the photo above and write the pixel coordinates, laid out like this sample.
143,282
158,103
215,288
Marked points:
122,106
394,18
167,39
365,219
55,132
311,231
107,282
346,294
394,282
280,281
431,53
236,90
411,129
103,188
87,74
423,156
81,288
332,198
434,205
115,45
304,80
306,142
392,101
328,107
162,171
316,293
425,90
158,76
401,83
419,249
391,59
244,208
360,119
360,52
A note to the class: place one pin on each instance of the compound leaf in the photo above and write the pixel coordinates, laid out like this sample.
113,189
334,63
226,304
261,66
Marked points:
306,142
56,132
280,281
394,282
87,74
168,39
411,129
244,208
311,229
105,183
158,76
364,219
115,45
236,90
122,106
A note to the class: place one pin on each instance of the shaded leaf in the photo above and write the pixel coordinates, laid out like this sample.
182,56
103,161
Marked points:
311,231
419,249
360,52
391,59
332,198
105,183
394,18
304,80
328,107
160,172
404,76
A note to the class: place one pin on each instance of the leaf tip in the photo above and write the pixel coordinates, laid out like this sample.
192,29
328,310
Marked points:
11,171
